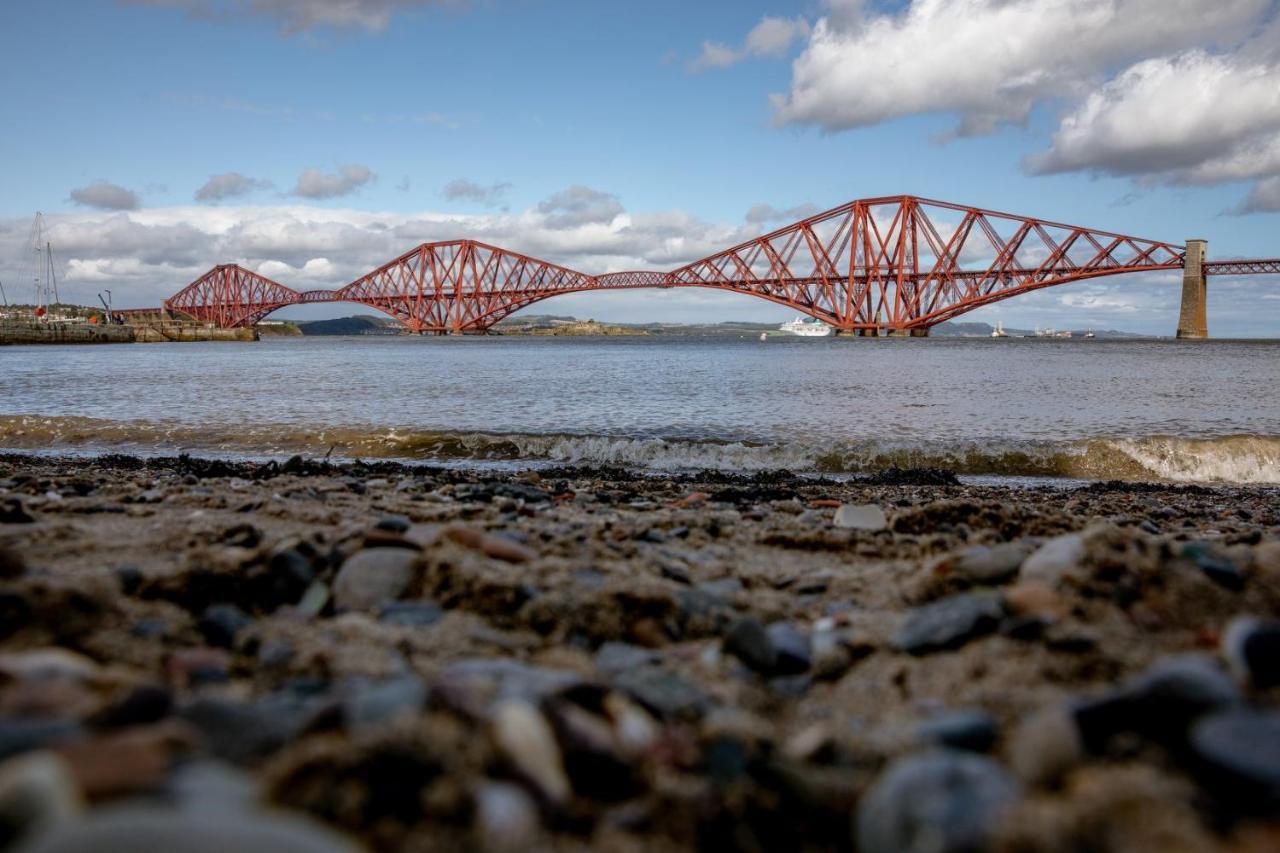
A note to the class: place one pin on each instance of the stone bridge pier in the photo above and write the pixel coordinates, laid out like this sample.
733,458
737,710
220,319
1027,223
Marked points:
1192,323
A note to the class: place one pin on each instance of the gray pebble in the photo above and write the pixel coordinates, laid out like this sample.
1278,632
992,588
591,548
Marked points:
869,517
935,802
1239,754
975,731
373,577
749,642
948,623
130,829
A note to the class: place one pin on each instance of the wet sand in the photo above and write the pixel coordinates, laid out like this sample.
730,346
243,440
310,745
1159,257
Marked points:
423,658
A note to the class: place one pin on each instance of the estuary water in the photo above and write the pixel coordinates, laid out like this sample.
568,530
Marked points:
1128,409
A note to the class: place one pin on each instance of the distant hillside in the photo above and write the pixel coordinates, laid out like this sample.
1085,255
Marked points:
363,324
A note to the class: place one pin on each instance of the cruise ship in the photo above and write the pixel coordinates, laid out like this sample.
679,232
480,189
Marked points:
806,328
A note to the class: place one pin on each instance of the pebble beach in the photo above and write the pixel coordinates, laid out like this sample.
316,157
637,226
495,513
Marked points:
310,656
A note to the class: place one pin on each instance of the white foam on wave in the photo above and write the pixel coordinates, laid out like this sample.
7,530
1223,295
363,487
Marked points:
1229,459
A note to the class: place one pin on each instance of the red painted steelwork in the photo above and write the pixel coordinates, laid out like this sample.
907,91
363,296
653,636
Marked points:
1259,267
896,262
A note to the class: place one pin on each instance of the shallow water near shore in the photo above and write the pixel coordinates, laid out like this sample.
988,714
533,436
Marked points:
1091,409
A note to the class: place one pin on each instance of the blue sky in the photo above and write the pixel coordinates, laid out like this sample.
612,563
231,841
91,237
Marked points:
339,124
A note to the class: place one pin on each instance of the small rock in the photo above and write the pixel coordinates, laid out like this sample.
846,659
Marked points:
989,566
1034,599
13,512
1239,752
792,649
221,623
284,580
935,802
948,623
748,641
663,692
393,524
47,663
525,737
1160,703
410,614
37,791
24,734
242,732
869,517
507,550
472,686
1216,567
125,762
975,731
1252,649
613,658
373,577
130,579
1045,745
144,704
370,705
1055,560
506,819
133,828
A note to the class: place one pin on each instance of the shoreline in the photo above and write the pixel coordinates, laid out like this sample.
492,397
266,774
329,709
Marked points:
601,657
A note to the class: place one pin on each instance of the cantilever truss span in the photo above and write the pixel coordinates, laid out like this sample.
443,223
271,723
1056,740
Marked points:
897,263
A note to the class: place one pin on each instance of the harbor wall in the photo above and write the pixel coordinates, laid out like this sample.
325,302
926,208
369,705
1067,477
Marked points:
90,333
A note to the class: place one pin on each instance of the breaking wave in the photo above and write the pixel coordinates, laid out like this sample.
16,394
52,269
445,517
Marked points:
1223,459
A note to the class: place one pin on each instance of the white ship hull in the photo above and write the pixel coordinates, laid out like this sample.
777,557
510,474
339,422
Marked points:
806,329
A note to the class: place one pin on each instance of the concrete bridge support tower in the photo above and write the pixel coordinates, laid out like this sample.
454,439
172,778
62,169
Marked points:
1192,323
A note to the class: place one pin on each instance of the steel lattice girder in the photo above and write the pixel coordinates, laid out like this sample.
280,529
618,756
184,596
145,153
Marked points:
896,262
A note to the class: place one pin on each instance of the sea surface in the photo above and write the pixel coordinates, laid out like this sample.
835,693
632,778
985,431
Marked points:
1139,410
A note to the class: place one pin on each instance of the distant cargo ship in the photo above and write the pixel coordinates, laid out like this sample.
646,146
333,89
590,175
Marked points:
806,328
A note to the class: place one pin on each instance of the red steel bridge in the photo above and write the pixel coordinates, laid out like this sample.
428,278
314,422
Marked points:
898,264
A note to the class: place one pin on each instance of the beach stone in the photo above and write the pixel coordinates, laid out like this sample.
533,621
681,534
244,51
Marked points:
129,829
940,801
948,623
1045,745
144,704
370,705
284,580
241,732
791,648
975,731
48,663
37,790
24,734
527,741
1159,703
1239,752
220,624
506,818
474,685
373,577
1252,649
869,517
613,657
13,512
749,642
393,524
1217,567
990,565
410,614
127,761
130,579
207,785
1055,560
663,692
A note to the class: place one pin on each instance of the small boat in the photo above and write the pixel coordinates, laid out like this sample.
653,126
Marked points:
998,331
806,328
764,336
1090,334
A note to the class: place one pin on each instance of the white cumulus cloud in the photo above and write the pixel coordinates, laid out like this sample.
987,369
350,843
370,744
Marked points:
772,37
315,183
